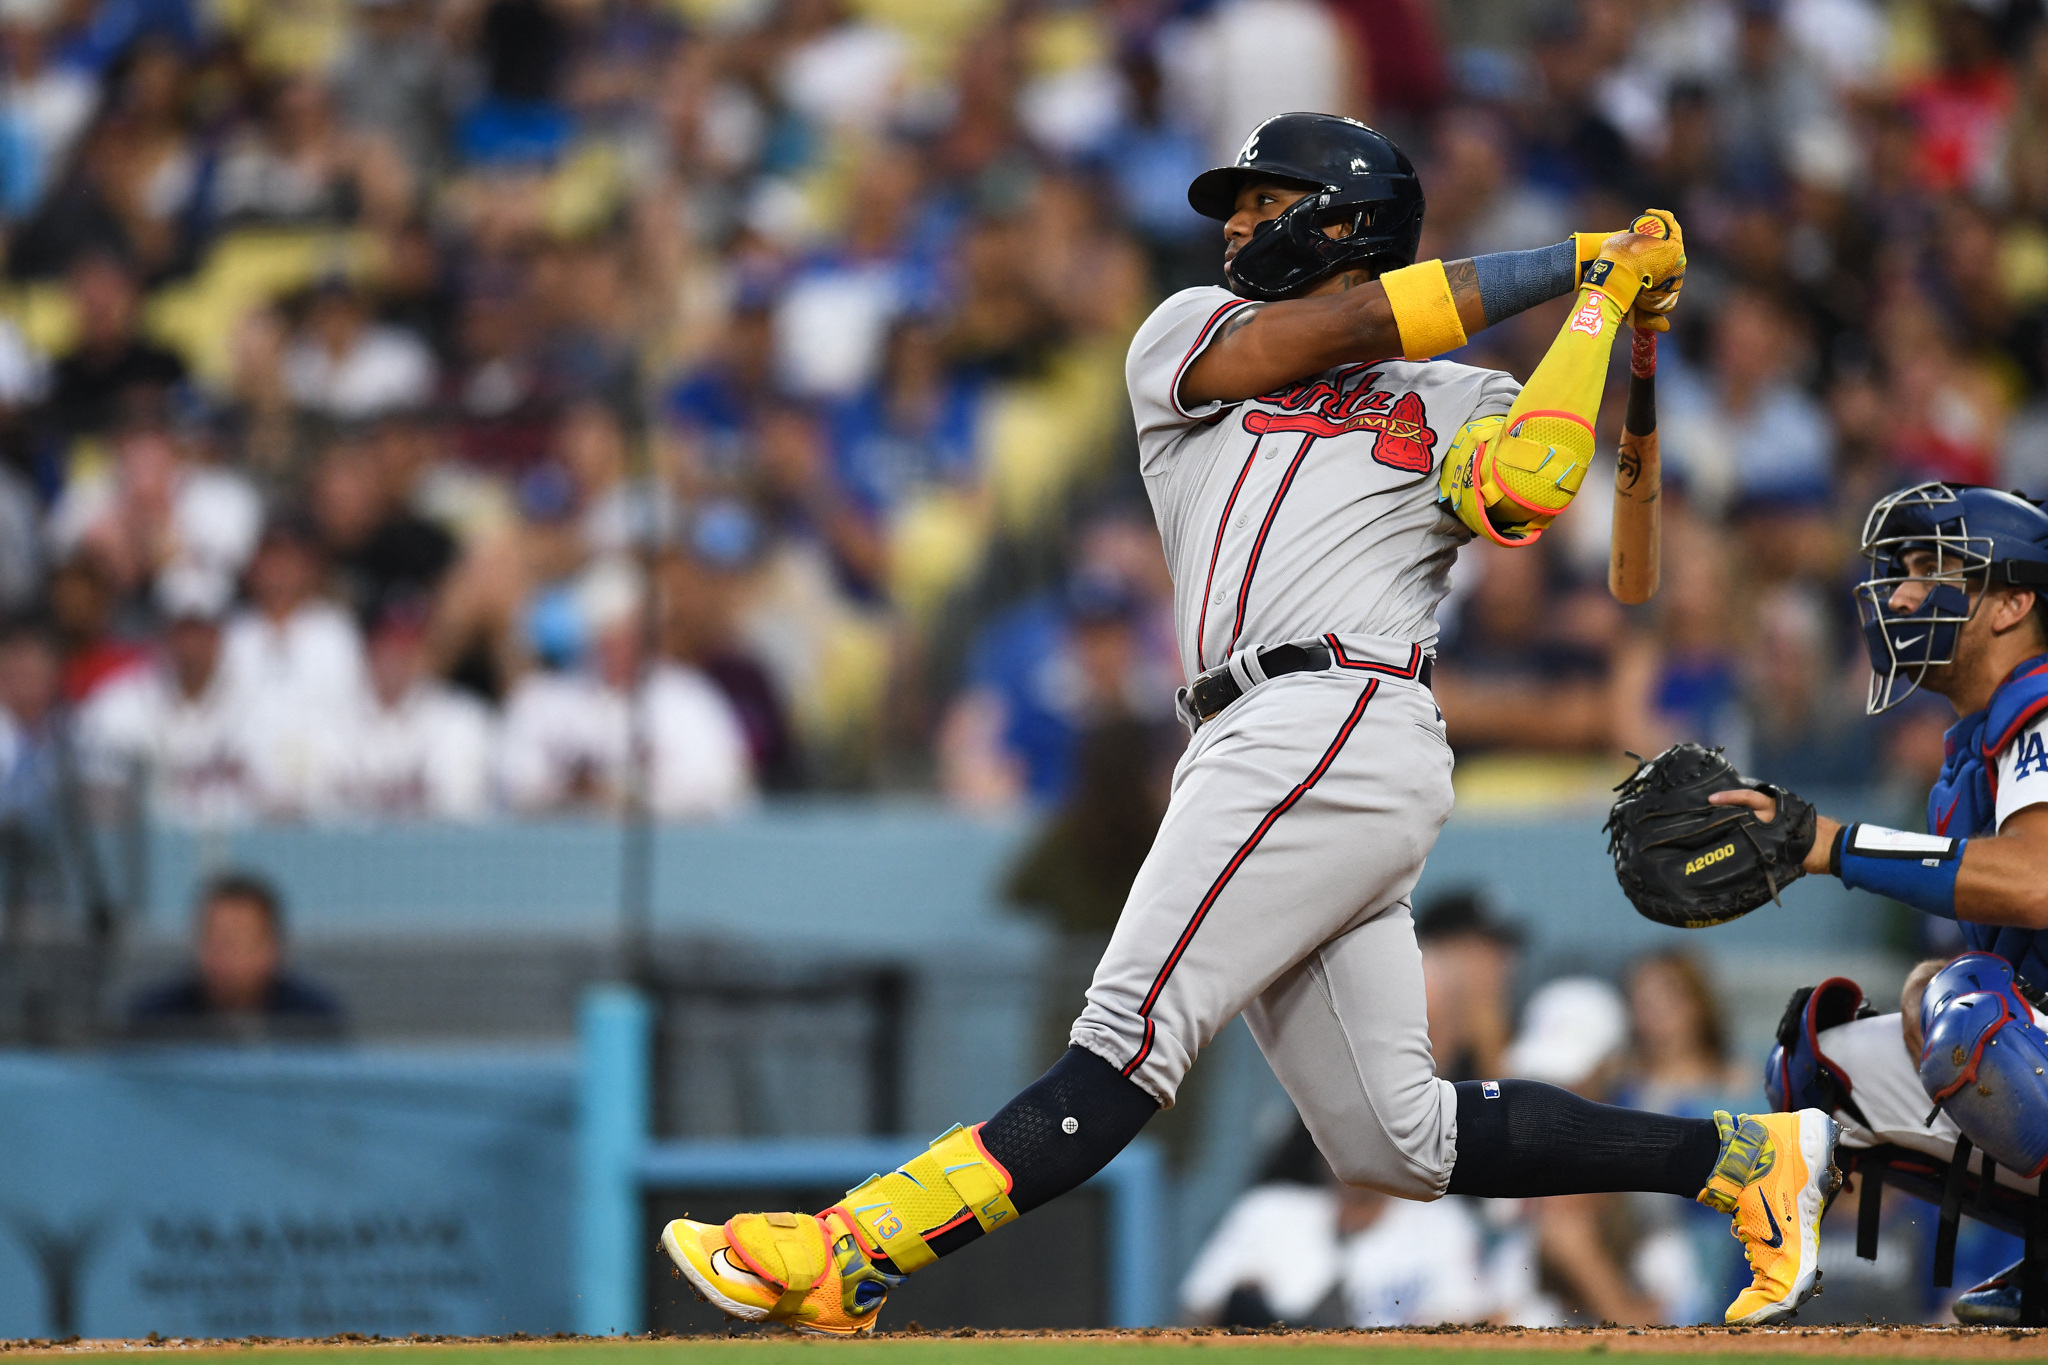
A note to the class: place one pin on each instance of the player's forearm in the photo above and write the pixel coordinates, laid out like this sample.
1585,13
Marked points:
1988,879
1267,347
1824,832
1572,375
1510,480
2000,882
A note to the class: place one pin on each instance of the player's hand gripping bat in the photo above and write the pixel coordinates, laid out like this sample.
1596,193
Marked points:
1633,558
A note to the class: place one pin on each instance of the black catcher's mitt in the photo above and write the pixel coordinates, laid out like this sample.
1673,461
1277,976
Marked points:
1690,864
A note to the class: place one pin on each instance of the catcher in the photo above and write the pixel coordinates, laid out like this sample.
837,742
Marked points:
1952,603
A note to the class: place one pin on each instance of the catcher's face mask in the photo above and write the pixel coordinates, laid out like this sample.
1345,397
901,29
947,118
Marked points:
1927,574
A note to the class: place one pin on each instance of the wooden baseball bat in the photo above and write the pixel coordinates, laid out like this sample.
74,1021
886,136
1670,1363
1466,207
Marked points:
1634,557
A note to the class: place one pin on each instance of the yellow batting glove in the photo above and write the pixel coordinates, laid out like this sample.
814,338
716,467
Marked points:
1653,306
1648,258
1652,312
1589,244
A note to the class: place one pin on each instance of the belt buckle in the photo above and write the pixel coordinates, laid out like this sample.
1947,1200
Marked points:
1189,699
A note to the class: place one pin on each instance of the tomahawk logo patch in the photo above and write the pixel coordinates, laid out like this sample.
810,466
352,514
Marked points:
1320,408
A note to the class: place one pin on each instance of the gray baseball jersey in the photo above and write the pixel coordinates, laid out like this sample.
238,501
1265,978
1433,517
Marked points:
1312,509
1301,814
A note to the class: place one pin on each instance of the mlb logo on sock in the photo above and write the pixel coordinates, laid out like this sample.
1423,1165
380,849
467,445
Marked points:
1489,1090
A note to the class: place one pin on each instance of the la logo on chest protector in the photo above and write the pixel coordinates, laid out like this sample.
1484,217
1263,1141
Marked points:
1320,409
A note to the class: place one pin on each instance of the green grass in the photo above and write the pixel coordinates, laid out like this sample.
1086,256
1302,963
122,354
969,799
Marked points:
783,1351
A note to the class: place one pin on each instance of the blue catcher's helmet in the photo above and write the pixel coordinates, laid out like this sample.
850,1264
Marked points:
1979,537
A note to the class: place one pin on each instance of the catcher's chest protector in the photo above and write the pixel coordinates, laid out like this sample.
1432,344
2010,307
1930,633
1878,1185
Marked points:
1963,804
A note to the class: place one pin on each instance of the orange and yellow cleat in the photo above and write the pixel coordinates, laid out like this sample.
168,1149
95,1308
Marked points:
1776,1175
806,1270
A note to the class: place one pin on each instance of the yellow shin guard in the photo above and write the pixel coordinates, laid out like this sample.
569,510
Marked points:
955,1178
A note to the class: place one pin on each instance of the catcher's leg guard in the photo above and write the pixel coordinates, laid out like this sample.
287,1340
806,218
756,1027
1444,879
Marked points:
1775,1176
955,1179
1983,1060
1799,1074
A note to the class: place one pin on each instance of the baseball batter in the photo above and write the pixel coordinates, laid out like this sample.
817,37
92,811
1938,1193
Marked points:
1313,474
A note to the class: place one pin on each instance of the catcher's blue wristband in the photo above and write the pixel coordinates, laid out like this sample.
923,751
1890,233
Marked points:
1919,869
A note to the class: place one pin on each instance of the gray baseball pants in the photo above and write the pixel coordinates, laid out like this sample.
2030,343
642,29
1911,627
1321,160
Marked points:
1277,888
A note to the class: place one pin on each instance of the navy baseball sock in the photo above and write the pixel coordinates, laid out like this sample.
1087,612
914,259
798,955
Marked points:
1524,1139
1045,1158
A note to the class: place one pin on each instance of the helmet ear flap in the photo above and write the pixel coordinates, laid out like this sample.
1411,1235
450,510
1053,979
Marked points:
1288,253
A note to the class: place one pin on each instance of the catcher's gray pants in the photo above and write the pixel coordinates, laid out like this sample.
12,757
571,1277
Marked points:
1886,1087
1277,888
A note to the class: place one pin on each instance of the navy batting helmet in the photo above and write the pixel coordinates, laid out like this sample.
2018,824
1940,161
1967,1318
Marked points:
1359,180
1979,537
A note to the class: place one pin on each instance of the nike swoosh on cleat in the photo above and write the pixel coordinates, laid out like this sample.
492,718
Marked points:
1777,1238
723,1264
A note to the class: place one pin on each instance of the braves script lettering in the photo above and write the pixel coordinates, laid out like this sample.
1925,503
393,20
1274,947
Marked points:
1319,408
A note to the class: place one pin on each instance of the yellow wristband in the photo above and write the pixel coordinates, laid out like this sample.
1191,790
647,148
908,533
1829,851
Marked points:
1588,244
1424,310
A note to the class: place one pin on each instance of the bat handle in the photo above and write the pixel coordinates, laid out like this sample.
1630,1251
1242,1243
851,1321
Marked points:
1633,562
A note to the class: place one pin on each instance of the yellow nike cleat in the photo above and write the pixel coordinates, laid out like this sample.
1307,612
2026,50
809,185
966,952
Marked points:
1790,1178
806,1270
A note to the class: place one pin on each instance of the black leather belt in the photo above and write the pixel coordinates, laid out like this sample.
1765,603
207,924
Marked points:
1219,687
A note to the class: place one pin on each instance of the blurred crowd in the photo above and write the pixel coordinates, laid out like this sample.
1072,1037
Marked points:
415,408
